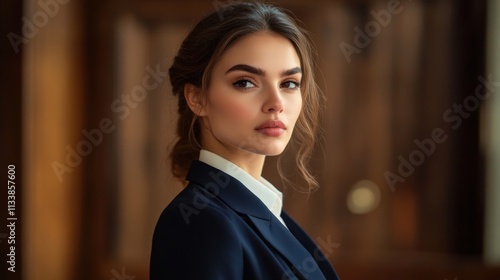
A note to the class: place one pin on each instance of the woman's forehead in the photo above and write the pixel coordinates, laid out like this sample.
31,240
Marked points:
264,50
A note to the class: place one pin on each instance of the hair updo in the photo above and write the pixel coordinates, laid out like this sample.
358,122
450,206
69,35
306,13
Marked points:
203,48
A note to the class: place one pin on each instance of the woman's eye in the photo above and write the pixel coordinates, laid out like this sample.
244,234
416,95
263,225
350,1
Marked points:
244,84
290,85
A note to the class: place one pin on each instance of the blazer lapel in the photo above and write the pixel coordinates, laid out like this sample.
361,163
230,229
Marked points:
301,262
234,194
313,249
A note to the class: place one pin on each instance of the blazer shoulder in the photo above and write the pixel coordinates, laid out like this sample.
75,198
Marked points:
196,238
194,204
200,214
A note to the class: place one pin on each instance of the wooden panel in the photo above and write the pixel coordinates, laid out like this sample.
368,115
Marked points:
132,139
54,148
144,132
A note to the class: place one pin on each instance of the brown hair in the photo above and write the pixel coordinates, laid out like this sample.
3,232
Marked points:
202,49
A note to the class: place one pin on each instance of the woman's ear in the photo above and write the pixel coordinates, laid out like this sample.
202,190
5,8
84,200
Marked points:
194,99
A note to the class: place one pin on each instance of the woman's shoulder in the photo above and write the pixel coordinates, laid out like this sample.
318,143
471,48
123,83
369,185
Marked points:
193,207
188,238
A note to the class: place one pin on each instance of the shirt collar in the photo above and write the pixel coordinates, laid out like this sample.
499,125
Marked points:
264,190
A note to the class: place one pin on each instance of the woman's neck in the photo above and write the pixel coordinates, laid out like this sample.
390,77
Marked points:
249,162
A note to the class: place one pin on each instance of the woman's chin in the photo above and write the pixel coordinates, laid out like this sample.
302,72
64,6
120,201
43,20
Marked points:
269,151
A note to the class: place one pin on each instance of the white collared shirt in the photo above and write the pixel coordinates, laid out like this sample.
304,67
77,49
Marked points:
264,190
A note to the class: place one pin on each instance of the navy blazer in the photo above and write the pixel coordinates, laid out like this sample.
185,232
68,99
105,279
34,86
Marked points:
217,229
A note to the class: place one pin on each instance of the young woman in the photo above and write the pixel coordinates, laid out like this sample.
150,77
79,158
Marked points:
245,84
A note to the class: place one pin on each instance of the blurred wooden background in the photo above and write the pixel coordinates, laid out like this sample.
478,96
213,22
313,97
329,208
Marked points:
83,69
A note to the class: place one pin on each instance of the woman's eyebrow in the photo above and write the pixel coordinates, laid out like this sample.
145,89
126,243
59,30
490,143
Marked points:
260,72
292,71
247,68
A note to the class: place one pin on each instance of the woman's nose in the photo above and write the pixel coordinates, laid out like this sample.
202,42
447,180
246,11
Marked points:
273,103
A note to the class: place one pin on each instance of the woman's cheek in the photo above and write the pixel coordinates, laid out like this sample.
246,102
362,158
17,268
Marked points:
299,106
236,110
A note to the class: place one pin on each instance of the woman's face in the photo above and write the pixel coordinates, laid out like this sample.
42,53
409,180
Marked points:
254,97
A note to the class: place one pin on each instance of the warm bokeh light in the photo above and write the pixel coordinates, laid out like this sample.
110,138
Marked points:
364,197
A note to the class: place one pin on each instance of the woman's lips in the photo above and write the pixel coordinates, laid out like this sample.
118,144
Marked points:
272,128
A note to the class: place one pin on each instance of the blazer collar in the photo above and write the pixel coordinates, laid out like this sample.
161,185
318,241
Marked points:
228,189
236,196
